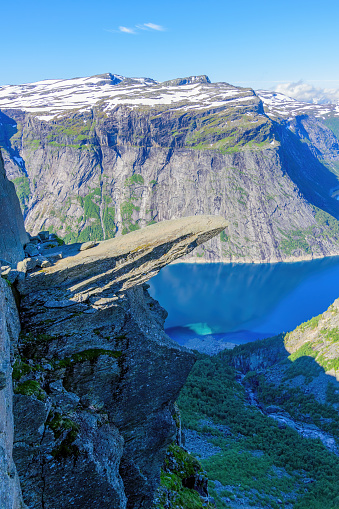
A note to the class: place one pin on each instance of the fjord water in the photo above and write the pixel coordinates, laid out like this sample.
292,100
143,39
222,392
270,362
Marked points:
243,302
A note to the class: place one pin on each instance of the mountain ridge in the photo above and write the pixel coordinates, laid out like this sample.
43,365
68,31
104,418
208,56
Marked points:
155,151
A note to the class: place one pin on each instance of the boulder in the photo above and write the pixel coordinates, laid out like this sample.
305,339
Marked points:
88,245
44,235
31,249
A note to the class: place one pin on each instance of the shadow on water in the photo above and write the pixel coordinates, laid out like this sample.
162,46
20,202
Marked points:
240,303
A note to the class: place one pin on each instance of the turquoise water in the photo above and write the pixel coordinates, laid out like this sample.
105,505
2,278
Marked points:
240,303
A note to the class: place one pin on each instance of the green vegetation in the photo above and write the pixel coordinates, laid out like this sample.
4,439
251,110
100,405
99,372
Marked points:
136,178
92,231
301,406
91,209
331,335
22,190
226,132
223,236
94,224
328,222
21,369
109,222
61,425
318,349
91,355
30,337
30,388
33,144
302,366
299,239
179,466
294,240
126,208
259,460
76,129
310,324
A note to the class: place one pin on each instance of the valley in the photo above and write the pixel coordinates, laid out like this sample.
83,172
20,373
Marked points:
98,158
264,426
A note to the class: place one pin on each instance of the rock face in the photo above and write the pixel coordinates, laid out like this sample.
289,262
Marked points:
318,338
12,231
133,152
10,493
12,237
121,263
96,376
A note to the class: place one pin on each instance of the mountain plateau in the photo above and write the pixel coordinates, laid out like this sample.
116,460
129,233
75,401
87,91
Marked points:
96,157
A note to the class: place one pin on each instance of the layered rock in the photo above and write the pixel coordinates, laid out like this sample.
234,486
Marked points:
135,152
12,230
12,236
10,492
96,376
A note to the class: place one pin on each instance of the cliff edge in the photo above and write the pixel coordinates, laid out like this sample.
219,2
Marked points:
95,376
12,236
12,230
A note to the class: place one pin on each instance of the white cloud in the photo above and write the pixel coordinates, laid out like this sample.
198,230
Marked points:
308,93
152,26
144,26
127,30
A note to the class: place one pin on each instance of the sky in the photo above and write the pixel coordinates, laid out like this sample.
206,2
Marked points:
260,44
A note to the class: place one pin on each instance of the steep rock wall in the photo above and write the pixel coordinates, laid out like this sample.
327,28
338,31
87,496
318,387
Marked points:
96,377
96,174
105,172
10,493
12,231
12,237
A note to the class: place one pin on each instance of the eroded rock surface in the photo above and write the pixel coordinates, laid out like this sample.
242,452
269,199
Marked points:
96,376
10,493
12,231
12,237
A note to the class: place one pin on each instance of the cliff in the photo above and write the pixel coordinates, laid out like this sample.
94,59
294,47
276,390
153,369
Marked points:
114,154
95,376
12,233
318,339
12,230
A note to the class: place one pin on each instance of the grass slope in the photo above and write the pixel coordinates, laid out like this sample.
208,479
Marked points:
261,463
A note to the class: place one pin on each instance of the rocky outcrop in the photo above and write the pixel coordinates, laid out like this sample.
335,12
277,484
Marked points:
12,236
123,262
150,152
96,377
318,338
12,231
10,493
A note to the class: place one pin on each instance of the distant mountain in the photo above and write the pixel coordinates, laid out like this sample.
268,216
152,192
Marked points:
99,156
279,105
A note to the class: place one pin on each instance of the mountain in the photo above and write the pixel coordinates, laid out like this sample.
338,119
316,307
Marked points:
96,157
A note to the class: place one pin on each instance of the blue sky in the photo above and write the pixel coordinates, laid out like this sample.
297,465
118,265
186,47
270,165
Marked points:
248,43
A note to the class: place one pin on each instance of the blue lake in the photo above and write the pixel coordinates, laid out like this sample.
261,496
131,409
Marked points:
241,303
